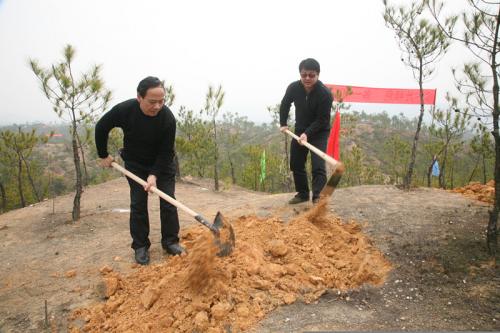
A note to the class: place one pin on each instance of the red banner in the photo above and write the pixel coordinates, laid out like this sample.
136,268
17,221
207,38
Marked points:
382,95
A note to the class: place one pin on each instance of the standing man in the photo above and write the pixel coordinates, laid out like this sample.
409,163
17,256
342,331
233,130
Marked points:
313,101
148,151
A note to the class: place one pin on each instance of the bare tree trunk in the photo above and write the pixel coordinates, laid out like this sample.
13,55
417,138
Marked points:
20,182
78,186
411,166
200,168
231,166
216,174
86,173
28,172
4,198
442,170
491,233
80,148
473,171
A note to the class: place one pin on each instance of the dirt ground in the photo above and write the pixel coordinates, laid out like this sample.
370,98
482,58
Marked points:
440,277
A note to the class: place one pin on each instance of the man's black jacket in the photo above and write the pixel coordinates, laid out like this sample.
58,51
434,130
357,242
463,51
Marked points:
312,111
146,140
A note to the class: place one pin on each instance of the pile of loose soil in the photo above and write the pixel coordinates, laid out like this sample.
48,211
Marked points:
273,263
478,191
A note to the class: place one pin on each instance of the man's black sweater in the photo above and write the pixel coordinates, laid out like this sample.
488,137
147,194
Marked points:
312,111
146,140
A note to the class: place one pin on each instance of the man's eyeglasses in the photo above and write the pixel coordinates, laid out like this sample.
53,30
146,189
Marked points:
310,75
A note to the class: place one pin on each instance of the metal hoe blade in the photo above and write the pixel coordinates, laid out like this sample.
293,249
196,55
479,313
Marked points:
333,181
223,233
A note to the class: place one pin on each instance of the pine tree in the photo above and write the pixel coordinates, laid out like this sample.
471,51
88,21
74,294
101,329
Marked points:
422,44
213,103
77,100
478,80
16,149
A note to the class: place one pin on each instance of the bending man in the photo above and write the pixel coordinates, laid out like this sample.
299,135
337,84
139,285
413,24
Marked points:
148,151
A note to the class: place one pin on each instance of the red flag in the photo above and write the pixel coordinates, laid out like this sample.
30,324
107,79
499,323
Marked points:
333,147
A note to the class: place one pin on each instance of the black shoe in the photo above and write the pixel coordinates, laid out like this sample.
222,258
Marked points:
174,249
297,199
142,256
315,200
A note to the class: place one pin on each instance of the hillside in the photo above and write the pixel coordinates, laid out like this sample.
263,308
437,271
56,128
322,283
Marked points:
375,149
440,278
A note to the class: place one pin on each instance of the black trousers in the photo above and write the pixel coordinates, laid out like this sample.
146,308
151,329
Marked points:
139,217
298,157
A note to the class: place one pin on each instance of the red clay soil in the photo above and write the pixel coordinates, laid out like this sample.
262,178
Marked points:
273,263
478,191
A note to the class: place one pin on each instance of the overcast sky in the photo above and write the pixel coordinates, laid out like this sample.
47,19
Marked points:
252,48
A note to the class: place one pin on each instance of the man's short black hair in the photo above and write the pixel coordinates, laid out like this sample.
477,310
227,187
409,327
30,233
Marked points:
309,64
148,83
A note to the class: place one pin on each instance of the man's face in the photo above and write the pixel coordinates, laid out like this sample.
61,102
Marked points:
308,78
152,103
